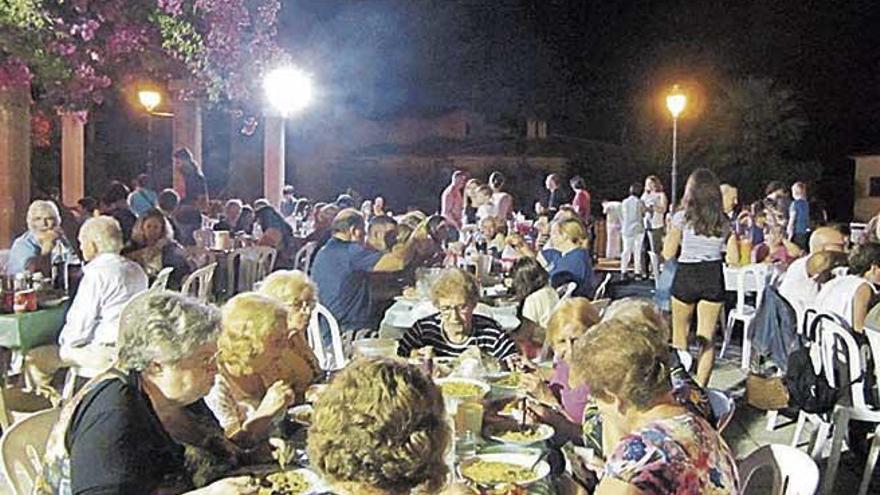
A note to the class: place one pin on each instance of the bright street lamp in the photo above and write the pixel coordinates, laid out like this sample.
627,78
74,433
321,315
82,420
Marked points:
149,99
288,89
675,102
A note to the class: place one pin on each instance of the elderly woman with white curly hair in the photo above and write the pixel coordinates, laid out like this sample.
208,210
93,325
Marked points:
32,250
124,431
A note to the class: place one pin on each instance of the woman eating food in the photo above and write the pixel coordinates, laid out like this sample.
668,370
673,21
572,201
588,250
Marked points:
124,431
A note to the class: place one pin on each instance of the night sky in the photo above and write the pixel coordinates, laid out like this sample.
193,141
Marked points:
588,67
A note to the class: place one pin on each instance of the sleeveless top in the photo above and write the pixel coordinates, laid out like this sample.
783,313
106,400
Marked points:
837,296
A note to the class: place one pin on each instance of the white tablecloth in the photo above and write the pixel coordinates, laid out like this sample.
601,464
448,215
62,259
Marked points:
404,313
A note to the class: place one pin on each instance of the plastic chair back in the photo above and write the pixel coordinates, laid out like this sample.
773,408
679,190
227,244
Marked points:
254,264
303,259
758,272
723,408
334,358
841,359
22,448
565,291
600,291
203,280
162,277
794,472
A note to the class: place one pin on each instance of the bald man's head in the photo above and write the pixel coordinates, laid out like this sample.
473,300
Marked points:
827,239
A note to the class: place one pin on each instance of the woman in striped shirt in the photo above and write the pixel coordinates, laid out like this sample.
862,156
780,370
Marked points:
455,327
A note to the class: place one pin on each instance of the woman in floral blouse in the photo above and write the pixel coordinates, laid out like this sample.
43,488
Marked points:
663,447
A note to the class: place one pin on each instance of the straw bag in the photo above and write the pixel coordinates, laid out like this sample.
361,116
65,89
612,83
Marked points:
767,393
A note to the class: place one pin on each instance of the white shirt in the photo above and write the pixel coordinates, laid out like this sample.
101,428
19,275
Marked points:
108,282
632,214
797,287
659,203
837,296
539,305
612,212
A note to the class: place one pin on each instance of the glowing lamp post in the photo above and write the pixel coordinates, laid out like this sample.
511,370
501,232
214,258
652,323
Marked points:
675,102
288,90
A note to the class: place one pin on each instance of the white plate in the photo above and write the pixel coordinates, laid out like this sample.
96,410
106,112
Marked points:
316,484
295,411
545,432
484,387
542,469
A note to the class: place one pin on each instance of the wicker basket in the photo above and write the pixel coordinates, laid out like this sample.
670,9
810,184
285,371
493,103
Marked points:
767,393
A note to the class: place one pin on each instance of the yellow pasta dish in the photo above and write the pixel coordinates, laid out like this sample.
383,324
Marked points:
461,389
527,435
284,483
493,473
509,381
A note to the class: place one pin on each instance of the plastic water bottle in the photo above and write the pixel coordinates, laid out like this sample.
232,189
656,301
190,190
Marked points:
258,230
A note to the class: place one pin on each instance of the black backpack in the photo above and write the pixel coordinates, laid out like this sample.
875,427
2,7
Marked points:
807,389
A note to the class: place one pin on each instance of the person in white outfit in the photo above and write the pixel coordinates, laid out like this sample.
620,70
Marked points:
632,230
612,228
88,339
656,205
849,297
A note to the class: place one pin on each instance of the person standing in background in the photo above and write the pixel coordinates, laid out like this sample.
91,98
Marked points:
556,197
798,228
502,202
612,228
656,205
452,199
581,200
288,201
196,187
632,229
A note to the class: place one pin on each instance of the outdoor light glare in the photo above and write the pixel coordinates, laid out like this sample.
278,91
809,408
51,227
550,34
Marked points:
288,89
149,99
675,102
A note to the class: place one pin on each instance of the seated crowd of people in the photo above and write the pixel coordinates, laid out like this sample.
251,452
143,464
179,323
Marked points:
177,394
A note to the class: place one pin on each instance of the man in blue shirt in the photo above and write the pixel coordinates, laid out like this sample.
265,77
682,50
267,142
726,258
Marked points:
31,251
142,199
341,268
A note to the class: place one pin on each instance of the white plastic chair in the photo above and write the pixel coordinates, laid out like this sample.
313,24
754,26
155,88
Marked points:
841,358
254,264
723,408
743,312
794,472
162,277
600,291
22,448
203,280
303,259
601,305
335,358
565,291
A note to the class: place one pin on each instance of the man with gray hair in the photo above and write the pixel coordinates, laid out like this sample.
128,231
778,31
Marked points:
32,250
88,339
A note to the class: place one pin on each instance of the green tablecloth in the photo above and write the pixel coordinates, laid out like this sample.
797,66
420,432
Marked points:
24,331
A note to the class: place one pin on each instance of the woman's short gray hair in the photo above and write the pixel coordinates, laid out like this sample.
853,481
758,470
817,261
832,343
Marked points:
105,232
163,326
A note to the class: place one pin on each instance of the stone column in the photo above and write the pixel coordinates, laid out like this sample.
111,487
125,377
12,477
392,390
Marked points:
73,149
273,159
187,130
15,162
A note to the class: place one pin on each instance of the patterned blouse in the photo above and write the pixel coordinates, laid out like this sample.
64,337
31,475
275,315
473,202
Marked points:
682,455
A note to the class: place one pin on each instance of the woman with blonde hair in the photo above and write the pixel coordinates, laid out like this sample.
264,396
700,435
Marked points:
380,428
261,364
662,447
568,260
570,320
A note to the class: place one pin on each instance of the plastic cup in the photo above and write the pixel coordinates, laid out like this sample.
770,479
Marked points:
376,348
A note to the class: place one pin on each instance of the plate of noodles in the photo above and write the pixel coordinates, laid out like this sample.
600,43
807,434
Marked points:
528,435
503,469
463,388
293,482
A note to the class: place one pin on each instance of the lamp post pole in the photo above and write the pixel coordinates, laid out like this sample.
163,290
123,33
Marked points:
675,102
674,163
